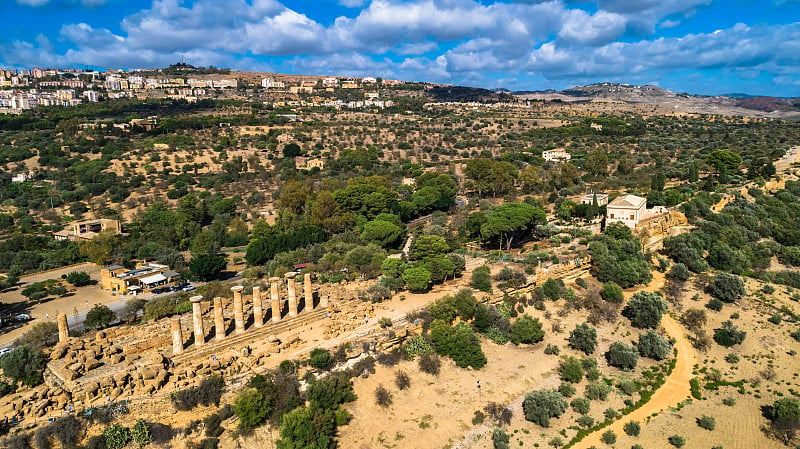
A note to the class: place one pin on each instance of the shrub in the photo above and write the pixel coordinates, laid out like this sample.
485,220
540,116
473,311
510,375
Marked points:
24,364
459,342
552,288
678,272
572,370
117,436
728,335
430,363
585,421
331,391
401,380
551,349
481,279
566,390
622,356
541,405
726,287
41,335
597,390
250,407
556,442
653,346
18,441
307,428
382,396
627,386
714,304
610,413
581,405
140,433
632,428
67,430
612,292
207,393
707,422
609,437
417,345
526,330
79,278
321,359
775,319
500,438
676,440
583,338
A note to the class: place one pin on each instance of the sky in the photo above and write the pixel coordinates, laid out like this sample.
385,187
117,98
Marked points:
695,46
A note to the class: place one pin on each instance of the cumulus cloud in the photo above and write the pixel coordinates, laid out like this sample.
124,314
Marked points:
437,40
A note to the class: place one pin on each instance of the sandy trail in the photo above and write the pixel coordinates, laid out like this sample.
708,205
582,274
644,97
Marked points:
675,389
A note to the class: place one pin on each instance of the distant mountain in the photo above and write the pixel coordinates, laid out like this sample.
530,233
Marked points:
731,104
466,94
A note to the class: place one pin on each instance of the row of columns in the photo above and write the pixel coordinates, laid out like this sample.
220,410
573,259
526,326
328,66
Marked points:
238,310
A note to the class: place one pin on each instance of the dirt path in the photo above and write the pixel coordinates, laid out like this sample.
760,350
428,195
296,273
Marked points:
675,389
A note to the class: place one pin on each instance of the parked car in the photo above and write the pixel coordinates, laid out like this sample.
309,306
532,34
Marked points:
188,288
23,317
5,351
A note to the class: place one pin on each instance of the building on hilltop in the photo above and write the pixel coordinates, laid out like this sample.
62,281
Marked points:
602,199
626,209
88,229
556,156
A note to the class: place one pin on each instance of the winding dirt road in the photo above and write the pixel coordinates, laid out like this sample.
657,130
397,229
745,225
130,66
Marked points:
675,389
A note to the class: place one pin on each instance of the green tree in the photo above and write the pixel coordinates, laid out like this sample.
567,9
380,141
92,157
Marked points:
251,408
140,433
98,317
653,346
645,309
572,370
526,330
207,267
597,164
784,416
425,247
510,222
321,359
381,233
24,364
622,356
79,278
308,428
726,287
481,279
541,405
552,288
327,393
583,338
417,279
612,292
724,161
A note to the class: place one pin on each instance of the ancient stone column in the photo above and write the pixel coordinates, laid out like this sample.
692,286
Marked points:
323,301
292,287
308,293
219,319
63,327
197,317
258,312
238,308
274,298
177,335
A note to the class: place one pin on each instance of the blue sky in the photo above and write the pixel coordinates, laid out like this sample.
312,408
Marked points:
696,46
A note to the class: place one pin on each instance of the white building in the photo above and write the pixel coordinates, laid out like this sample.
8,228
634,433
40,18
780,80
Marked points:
556,156
602,199
626,209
